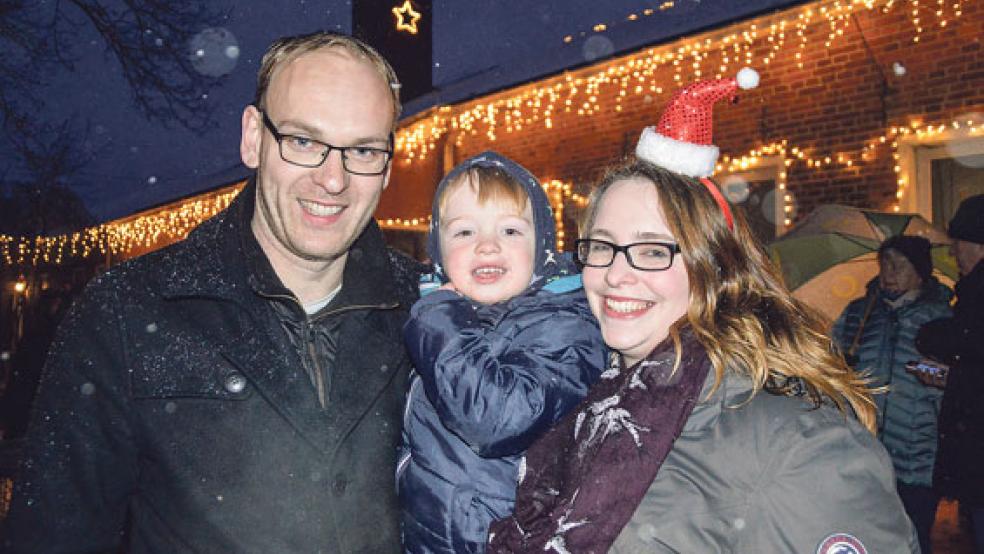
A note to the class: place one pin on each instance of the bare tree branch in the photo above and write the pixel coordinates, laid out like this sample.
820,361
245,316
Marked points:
149,39
52,156
25,39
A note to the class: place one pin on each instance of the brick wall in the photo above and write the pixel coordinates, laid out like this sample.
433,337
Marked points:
835,104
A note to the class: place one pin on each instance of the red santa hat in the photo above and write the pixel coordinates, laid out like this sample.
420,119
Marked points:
681,141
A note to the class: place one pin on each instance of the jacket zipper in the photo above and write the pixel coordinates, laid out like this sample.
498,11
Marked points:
320,384
319,374
321,315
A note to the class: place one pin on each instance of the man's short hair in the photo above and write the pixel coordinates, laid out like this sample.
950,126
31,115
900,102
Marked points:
287,49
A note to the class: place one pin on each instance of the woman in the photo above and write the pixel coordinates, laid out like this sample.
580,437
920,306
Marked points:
879,331
725,422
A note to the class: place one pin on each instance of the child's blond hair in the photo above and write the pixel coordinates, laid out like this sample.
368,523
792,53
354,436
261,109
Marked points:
491,184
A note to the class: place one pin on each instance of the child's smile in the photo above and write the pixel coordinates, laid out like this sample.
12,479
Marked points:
487,249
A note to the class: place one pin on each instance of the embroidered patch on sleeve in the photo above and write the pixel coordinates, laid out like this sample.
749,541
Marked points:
841,543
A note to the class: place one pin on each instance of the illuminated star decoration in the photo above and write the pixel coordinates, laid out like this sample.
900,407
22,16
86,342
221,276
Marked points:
405,13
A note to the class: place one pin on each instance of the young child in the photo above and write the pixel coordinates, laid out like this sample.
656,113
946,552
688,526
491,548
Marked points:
502,350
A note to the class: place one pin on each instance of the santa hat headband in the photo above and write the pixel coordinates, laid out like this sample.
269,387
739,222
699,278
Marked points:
681,140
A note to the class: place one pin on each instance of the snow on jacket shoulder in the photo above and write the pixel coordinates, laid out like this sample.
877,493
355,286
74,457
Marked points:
489,381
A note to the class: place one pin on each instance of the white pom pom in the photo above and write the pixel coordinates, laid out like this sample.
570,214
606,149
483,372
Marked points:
748,78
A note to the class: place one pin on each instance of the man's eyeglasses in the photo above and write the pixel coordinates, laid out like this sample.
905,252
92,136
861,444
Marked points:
645,256
307,152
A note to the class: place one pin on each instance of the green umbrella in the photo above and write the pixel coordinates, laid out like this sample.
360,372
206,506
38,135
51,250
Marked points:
833,234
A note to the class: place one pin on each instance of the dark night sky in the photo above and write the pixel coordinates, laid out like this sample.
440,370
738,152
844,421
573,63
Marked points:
479,45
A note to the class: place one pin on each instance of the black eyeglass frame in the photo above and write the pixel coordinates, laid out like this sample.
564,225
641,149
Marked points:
673,248
279,137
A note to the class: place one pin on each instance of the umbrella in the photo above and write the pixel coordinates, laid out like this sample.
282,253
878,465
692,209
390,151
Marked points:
829,257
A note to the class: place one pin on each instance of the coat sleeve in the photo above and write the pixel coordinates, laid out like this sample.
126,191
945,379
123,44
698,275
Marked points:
496,386
951,339
833,481
78,464
839,330
847,324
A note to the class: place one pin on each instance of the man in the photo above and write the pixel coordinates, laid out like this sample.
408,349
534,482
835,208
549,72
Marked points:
959,342
242,391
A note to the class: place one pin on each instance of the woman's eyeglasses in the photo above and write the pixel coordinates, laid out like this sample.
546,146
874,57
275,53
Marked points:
644,256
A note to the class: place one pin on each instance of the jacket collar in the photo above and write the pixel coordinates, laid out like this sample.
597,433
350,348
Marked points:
970,288
367,280
209,262
931,291
732,391
222,259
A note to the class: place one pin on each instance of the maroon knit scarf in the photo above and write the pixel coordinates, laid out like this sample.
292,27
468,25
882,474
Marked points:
583,480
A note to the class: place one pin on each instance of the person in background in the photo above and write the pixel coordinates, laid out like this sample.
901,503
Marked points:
726,421
241,391
504,349
958,342
879,331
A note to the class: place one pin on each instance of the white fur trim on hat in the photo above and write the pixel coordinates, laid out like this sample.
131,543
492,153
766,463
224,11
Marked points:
694,160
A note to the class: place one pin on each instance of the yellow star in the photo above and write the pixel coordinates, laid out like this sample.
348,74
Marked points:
403,13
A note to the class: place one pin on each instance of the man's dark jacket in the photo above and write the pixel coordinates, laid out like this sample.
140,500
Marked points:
959,341
175,414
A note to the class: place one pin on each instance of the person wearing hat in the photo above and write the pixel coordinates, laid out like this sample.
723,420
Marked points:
877,333
958,341
725,421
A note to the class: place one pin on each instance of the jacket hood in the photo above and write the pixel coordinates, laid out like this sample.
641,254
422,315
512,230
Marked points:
548,262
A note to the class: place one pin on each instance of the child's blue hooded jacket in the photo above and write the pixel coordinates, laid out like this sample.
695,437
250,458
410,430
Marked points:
489,380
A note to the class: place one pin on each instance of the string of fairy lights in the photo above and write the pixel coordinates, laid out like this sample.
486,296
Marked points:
632,17
562,194
533,108
970,126
117,237
170,224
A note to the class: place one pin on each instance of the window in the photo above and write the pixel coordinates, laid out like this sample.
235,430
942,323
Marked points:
753,192
943,170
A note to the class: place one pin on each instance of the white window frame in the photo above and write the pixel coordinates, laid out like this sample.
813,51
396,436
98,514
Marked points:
916,156
766,168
